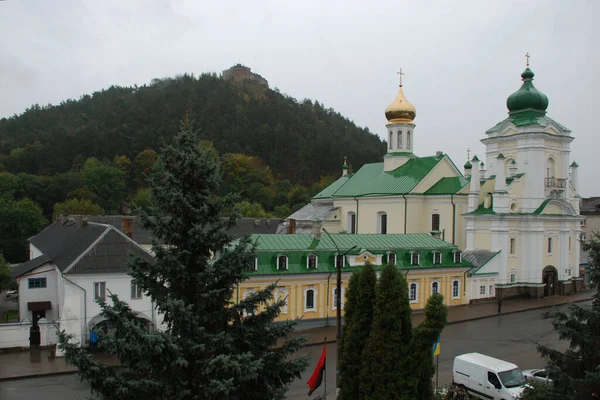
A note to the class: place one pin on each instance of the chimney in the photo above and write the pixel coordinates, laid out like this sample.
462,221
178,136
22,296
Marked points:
127,226
292,226
439,153
317,227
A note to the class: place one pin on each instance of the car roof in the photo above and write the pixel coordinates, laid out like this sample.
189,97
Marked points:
490,362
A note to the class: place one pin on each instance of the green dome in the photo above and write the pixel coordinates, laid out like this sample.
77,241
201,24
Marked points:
468,165
527,97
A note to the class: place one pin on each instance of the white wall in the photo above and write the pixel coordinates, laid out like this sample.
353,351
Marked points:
17,334
49,293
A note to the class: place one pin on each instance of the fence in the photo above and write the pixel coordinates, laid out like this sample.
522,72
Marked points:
16,334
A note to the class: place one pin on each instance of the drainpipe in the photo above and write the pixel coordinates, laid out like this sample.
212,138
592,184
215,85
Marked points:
453,217
84,303
356,228
405,211
327,294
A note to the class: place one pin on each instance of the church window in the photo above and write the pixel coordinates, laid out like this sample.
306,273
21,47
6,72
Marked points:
435,222
549,245
391,140
457,257
512,246
408,140
414,258
399,140
282,262
455,289
311,262
281,294
351,222
569,243
309,299
437,257
513,277
435,287
334,298
413,292
382,223
550,168
392,259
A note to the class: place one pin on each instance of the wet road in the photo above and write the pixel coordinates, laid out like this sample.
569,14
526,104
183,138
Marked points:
509,337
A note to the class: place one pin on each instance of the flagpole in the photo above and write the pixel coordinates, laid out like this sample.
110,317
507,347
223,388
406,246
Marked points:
325,386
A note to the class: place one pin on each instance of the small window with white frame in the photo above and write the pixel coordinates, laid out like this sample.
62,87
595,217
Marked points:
310,299
457,257
582,222
437,257
413,292
583,236
340,261
455,289
36,283
254,266
513,277
391,258
282,262
312,261
99,290
482,290
512,245
281,294
414,258
435,287
399,141
550,248
334,297
136,291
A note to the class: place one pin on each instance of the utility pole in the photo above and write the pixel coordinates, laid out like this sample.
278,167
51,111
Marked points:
338,303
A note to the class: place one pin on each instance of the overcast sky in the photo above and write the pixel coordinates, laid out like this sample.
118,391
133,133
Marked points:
461,59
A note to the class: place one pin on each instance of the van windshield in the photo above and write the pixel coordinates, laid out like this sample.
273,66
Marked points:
512,378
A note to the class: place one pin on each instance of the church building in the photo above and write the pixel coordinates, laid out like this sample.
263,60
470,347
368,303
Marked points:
517,221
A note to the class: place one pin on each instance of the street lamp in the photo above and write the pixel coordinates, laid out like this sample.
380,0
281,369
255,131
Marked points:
338,301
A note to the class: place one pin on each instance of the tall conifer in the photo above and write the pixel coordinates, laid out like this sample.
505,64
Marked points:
211,348
358,315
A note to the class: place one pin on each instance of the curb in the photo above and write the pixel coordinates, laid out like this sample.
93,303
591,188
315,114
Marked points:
32,376
478,318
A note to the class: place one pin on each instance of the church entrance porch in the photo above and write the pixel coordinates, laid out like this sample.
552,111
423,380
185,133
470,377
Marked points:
550,279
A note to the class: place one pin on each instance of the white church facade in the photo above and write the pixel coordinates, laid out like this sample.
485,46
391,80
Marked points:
517,221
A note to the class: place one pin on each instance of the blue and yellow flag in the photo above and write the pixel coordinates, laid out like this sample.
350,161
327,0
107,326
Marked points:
436,347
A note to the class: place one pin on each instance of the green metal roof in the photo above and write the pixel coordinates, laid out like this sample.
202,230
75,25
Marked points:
527,119
511,179
331,189
540,209
297,248
448,185
481,210
372,180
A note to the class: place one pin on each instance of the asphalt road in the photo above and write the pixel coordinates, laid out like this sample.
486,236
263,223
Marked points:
510,337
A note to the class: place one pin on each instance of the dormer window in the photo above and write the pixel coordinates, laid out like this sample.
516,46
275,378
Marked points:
457,257
254,266
437,257
282,262
392,259
311,261
414,258
340,261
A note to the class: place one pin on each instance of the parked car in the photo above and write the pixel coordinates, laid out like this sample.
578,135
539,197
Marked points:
486,377
536,375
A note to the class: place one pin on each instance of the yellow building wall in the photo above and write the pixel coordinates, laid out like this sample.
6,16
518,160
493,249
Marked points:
295,285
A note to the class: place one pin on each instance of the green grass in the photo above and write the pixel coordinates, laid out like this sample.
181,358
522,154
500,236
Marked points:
10,315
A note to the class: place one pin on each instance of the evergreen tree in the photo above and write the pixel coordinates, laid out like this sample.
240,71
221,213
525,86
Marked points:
211,348
424,336
358,316
575,373
385,368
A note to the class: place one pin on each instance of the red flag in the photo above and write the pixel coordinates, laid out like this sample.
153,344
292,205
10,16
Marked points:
317,377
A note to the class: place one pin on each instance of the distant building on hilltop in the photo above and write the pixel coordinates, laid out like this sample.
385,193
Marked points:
241,73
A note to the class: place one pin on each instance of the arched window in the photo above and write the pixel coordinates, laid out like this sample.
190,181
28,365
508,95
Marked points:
413,292
247,293
437,257
391,140
399,141
281,294
435,287
455,289
340,261
382,222
457,257
435,222
282,262
334,297
351,222
391,258
414,258
408,140
310,299
312,261
550,168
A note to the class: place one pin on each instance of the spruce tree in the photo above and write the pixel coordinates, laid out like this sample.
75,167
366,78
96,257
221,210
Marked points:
211,348
424,336
575,373
384,372
358,316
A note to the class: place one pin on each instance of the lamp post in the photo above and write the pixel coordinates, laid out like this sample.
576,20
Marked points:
338,301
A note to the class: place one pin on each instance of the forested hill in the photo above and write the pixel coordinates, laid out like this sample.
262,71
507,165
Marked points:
299,141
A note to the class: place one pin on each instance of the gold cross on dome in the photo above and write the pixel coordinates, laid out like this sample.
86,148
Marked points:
400,73
468,154
527,57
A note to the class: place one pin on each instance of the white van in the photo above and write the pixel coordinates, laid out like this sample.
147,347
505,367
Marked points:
487,377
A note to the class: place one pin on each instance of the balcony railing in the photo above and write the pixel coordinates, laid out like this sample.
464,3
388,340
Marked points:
556,183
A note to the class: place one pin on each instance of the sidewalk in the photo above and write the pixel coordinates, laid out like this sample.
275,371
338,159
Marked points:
37,363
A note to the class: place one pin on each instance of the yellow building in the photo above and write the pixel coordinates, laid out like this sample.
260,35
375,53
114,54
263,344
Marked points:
304,267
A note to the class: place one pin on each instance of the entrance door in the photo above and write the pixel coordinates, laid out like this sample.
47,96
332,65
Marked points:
37,315
550,280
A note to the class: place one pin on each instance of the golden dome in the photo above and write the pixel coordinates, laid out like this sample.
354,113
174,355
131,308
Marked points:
401,110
